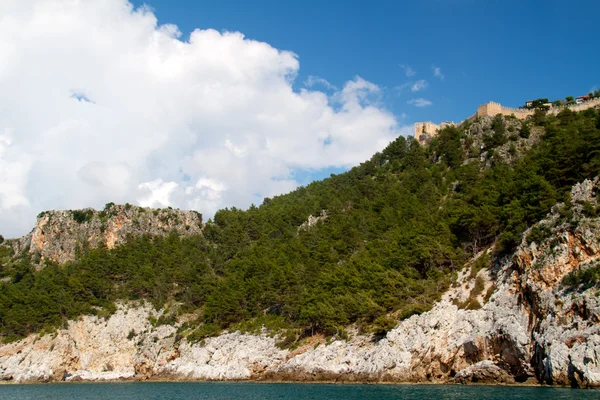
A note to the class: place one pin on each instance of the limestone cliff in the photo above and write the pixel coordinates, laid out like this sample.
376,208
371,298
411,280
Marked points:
530,328
57,234
510,138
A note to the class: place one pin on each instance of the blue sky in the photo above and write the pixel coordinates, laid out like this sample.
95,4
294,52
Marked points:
126,111
506,51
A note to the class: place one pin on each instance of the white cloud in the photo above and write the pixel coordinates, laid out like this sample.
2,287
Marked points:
412,86
403,87
418,85
437,72
156,193
99,104
408,70
420,102
312,81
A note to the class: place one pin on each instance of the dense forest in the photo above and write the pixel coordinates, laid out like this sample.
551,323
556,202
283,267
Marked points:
391,232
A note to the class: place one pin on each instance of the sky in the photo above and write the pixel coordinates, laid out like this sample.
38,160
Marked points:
211,104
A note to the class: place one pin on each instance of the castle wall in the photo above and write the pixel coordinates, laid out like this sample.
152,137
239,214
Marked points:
576,107
492,109
424,130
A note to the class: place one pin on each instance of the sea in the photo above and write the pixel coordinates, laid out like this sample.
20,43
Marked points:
283,391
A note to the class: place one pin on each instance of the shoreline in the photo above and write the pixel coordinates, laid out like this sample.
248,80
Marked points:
287,381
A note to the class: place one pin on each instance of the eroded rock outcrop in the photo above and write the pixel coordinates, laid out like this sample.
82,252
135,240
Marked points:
57,234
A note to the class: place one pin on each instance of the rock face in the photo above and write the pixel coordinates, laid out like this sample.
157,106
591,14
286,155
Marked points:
127,345
515,141
312,221
57,234
530,328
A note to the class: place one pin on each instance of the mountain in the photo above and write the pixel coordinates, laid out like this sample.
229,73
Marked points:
468,259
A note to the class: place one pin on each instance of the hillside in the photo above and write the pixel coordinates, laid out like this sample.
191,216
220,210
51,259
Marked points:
354,255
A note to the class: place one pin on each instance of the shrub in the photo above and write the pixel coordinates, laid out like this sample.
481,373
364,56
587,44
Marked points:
473,304
479,286
583,278
525,131
82,216
489,294
108,211
588,209
170,319
498,136
287,340
383,324
538,234
205,330
480,263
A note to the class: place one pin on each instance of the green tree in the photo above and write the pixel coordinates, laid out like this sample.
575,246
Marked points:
539,103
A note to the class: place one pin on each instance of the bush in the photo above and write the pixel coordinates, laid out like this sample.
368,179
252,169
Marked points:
589,210
287,340
479,286
170,319
539,117
489,294
525,131
82,216
481,262
204,331
473,304
498,136
538,234
383,325
583,278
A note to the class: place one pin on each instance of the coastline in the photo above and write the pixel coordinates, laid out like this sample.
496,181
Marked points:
351,379
283,382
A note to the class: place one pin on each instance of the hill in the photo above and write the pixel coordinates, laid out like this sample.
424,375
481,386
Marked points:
360,250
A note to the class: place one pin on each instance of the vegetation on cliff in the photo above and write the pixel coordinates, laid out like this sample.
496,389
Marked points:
393,231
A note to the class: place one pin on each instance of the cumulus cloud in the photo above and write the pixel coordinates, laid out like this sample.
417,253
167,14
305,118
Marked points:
156,193
418,85
437,72
99,103
420,102
408,70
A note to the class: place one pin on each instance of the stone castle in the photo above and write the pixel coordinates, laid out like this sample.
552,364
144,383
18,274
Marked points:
424,130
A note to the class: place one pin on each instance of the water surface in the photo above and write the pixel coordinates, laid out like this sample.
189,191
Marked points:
282,391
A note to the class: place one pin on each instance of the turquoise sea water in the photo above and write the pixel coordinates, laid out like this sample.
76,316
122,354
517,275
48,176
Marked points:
283,391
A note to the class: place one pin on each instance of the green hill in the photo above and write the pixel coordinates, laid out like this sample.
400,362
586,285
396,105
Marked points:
389,235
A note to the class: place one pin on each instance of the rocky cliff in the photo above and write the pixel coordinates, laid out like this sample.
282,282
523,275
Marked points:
58,234
512,321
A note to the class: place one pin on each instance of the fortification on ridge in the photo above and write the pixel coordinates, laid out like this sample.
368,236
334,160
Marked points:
424,130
